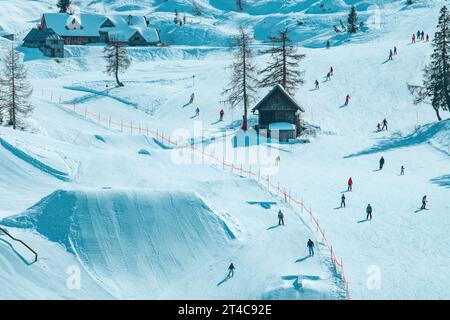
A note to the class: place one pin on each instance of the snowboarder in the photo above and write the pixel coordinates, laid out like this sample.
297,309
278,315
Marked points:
381,163
350,184
390,55
369,212
331,71
197,112
310,246
221,113
385,123
378,127
347,99
328,77
395,50
280,218
231,271
317,84
343,201
424,203
402,170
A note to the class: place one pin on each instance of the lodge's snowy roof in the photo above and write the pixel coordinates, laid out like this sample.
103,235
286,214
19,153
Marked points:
281,126
123,26
40,35
90,24
280,88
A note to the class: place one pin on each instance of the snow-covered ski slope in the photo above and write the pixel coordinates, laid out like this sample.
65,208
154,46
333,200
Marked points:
126,208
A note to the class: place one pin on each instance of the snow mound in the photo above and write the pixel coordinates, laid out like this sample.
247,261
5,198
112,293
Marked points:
134,242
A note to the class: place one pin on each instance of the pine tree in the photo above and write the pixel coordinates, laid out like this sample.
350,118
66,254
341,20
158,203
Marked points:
117,59
352,20
63,5
15,90
243,81
436,84
285,62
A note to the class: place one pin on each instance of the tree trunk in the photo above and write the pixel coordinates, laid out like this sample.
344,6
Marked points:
13,89
437,114
284,61
116,73
244,61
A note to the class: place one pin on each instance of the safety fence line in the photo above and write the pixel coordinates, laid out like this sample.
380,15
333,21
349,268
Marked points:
264,180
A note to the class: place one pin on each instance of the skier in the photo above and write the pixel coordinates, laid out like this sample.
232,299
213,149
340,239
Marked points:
402,171
331,71
385,123
231,271
390,55
310,246
422,36
328,77
424,203
378,127
347,99
221,113
191,100
343,201
428,37
418,35
381,163
244,124
395,50
369,212
413,38
317,84
350,184
277,160
197,112
280,218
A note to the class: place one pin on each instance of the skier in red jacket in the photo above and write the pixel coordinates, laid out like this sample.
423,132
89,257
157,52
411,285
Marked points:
244,123
347,99
350,184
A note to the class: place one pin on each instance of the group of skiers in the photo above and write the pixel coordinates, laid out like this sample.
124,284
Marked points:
420,35
392,53
310,245
197,109
369,207
381,127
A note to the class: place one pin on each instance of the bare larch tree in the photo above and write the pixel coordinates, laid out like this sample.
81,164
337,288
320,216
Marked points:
243,80
15,90
117,59
284,64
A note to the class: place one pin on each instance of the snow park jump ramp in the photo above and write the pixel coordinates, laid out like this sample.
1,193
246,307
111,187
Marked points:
135,243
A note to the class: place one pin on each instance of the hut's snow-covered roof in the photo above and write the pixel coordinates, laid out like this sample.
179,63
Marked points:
122,27
279,88
281,126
